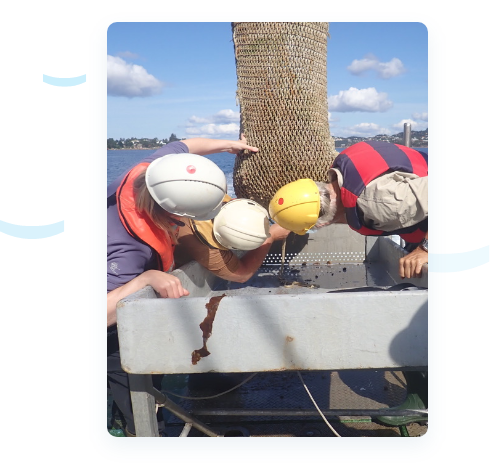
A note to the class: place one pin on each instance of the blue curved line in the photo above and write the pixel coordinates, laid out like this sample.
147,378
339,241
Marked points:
32,232
64,82
459,261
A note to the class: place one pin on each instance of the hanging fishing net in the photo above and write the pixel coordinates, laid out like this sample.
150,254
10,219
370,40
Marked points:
282,93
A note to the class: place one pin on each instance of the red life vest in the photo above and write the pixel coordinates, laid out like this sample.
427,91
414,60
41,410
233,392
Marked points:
363,162
139,225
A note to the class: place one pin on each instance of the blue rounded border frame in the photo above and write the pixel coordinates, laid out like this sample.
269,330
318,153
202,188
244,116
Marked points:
64,82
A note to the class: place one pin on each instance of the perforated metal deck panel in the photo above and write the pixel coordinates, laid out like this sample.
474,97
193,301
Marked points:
356,390
335,244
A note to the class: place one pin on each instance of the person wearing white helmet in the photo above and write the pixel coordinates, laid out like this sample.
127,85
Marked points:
144,209
241,224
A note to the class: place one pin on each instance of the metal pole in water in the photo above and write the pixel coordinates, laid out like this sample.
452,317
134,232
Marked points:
407,141
407,136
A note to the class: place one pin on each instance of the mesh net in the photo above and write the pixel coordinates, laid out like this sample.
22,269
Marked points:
282,92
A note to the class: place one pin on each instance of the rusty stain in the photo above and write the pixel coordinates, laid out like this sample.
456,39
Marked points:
207,328
289,339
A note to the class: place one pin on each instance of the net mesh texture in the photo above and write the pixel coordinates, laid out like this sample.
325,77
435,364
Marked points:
282,92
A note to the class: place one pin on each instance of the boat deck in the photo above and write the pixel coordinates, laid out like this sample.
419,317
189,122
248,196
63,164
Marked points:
333,391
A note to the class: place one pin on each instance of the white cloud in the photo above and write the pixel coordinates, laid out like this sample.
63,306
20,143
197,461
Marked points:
387,70
198,120
364,129
370,128
214,130
227,116
224,123
391,69
130,80
414,125
422,116
359,66
366,100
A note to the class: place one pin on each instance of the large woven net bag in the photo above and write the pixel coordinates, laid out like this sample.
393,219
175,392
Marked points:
282,92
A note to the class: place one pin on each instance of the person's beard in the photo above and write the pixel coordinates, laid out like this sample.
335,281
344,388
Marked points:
328,208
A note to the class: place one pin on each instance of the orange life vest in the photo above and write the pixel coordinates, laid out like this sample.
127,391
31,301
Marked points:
139,225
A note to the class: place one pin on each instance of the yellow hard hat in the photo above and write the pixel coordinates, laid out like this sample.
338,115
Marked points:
296,206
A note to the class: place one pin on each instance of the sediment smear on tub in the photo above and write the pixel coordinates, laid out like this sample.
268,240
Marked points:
207,328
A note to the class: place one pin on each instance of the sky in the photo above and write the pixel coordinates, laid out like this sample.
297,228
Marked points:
180,78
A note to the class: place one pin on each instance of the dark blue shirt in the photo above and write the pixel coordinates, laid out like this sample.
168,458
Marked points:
127,257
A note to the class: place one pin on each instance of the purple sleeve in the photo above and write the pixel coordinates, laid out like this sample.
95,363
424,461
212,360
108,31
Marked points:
172,147
128,257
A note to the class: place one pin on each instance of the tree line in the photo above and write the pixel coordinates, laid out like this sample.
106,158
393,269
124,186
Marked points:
134,142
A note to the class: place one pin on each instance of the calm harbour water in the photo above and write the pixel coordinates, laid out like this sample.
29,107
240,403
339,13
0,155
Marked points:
120,161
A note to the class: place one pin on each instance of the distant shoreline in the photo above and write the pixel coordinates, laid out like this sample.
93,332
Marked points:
142,148
156,148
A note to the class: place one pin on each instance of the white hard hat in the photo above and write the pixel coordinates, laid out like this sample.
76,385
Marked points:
186,184
241,224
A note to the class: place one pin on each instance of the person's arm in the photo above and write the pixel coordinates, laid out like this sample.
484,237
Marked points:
168,286
203,146
253,259
411,264
224,263
250,262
